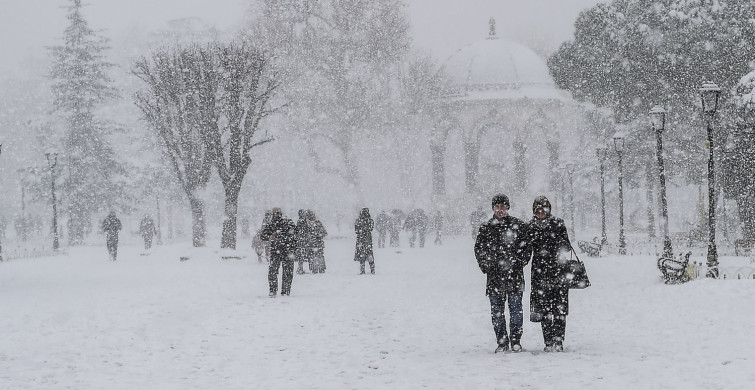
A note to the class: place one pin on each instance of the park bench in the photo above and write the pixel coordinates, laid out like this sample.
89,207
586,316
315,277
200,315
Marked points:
674,269
591,248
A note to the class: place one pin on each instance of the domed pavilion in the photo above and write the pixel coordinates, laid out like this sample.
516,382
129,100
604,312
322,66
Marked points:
509,116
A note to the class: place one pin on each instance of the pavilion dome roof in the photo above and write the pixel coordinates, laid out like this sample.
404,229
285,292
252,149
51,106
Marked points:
495,68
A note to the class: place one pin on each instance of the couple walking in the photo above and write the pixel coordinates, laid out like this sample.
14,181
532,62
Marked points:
504,245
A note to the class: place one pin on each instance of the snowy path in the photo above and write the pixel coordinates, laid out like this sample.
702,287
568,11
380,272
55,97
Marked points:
152,322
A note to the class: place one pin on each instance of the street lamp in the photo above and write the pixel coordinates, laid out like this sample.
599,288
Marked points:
1,246
52,162
602,153
618,144
570,170
709,94
658,121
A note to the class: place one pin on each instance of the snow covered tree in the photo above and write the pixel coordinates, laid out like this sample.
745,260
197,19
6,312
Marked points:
206,104
739,155
80,85
343,56
630,54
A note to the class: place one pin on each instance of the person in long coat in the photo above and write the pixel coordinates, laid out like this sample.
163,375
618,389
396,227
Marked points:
147,230
302,241
501,255
111,226
280,233
548,241
363,228
316,242
382,223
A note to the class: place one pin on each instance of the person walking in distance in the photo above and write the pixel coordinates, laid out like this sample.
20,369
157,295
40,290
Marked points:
548,240
501,257
301,234
382,223
363,228
111,226
280,233
147,230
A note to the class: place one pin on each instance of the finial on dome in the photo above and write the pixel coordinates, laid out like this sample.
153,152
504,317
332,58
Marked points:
491,33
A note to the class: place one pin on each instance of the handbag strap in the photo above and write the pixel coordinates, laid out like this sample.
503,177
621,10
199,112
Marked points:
575,255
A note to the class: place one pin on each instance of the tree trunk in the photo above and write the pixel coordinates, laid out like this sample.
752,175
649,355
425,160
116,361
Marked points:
746,215
231,214
79,222
198,230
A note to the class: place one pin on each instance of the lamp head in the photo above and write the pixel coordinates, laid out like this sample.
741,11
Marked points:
618,143
601,152
709,94
658,118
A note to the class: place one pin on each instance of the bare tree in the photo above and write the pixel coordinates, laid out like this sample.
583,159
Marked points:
175,103
343,58
206,103
246,84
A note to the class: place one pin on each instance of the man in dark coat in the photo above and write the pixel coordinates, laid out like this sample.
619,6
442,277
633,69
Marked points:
382,222
547,240
500,253
111,226
280,233
147,230
363,228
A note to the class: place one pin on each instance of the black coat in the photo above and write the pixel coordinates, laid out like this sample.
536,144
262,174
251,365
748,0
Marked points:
500,252
317,234
111,225
547,241
363,227
280,233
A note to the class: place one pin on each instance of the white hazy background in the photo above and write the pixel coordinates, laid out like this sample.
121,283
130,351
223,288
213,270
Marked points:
439,27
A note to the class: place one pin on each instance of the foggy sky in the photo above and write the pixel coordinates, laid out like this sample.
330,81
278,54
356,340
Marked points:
439,26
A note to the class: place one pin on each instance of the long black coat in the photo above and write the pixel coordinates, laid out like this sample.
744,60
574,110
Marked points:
363,227
547,240
501,253
280,233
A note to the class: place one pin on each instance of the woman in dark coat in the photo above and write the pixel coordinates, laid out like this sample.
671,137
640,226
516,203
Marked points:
363,227
317,234
547,240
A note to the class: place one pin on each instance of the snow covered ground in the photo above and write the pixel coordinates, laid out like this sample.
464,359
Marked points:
152,322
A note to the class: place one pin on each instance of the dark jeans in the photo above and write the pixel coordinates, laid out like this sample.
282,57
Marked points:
288,274
497,308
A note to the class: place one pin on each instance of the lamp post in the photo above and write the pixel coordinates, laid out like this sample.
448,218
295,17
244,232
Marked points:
52,162
618,144
709,94
1,245
602,153
658,121
570,170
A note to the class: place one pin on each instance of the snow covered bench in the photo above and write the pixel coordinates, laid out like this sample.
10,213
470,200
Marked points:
674,270
591,248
